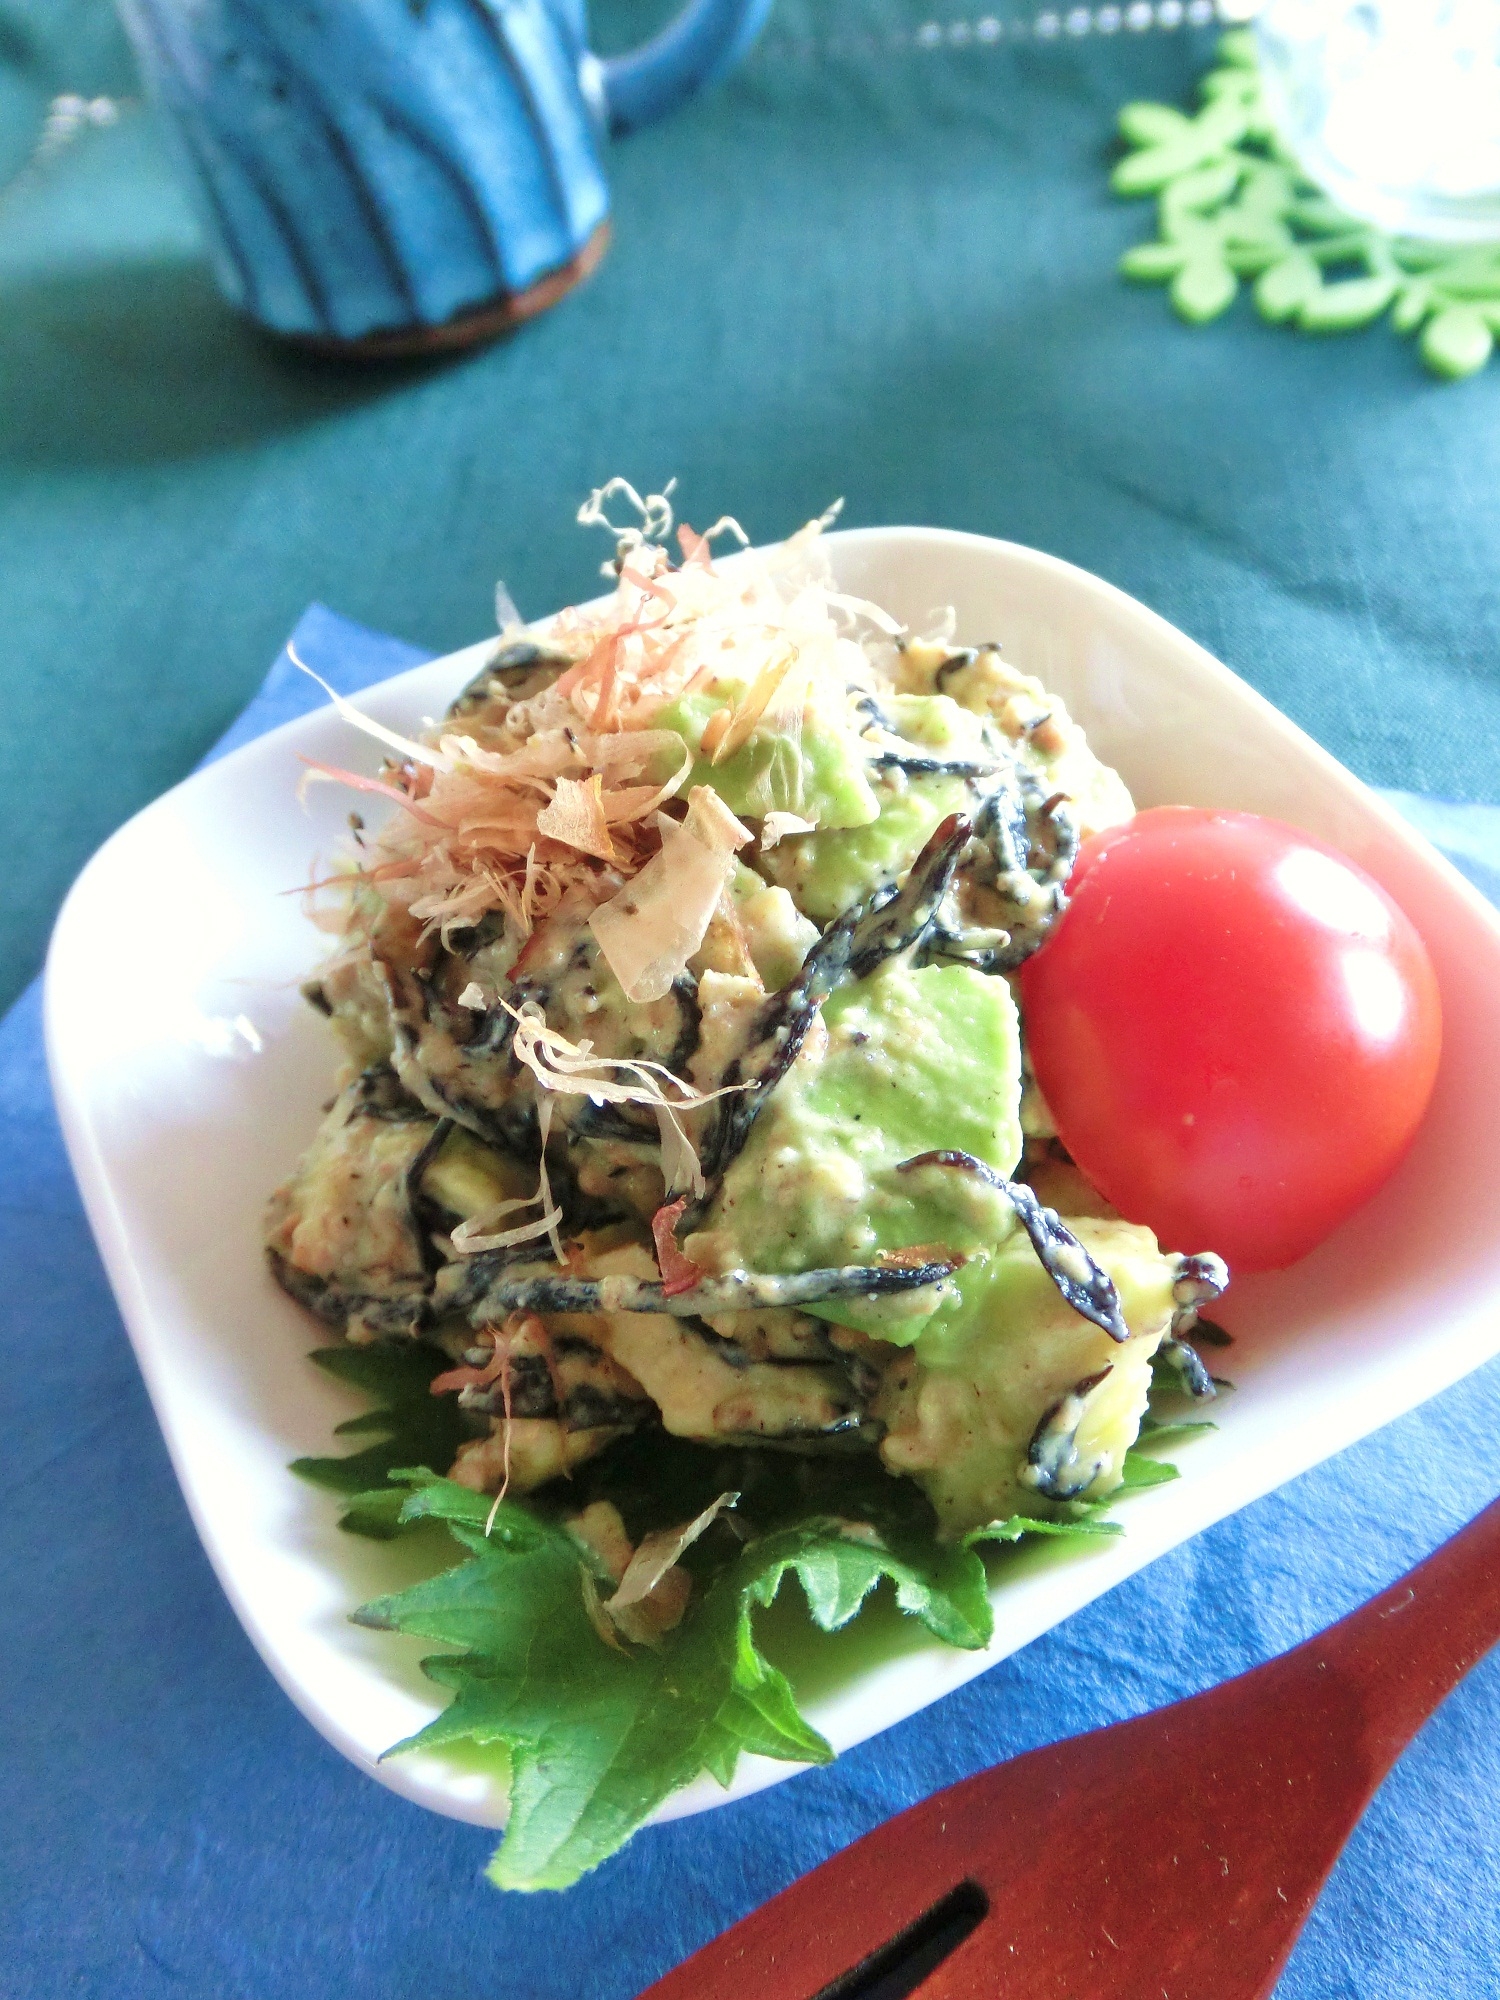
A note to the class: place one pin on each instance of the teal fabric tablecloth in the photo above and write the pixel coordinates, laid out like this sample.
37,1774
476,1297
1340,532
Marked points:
866,267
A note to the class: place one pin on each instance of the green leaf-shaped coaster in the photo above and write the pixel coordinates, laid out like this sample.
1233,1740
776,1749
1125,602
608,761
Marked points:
1233,205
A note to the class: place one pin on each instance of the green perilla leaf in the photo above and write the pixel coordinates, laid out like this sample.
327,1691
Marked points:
411,1426
599,1737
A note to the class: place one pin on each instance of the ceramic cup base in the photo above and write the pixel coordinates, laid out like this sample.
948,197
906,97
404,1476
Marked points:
471,328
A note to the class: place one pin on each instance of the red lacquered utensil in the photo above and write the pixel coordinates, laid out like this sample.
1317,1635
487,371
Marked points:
1176,1855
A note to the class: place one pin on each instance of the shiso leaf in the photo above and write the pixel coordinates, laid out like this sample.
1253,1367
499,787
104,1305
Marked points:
1156,1431
1140,1470
598,1738
1086,1528
410,1426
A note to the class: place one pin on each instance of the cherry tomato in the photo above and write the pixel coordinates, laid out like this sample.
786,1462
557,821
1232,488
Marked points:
1236,1030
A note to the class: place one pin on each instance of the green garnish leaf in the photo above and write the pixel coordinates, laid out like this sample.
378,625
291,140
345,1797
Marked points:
1153,263
1284,287
1087,1527
599,1730
1140,1471
599,1733
1158,1430
1152,125
598,1737
376,1514
1341,307
410,1427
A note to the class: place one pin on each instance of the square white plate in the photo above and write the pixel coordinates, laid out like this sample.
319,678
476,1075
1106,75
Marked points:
189,1076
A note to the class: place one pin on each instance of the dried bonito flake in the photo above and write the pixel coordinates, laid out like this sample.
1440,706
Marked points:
652,927
652,1591
564,788
575,816
572,1069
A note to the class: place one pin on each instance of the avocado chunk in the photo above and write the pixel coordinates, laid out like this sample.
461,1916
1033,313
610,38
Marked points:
469,1178
831,870
911,1060
937,725
828,873
777,935
1012,1362
819,774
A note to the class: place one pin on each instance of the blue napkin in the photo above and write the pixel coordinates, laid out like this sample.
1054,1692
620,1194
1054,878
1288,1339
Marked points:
171,1825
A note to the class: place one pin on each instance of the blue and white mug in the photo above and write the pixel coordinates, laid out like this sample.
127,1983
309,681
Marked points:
400,175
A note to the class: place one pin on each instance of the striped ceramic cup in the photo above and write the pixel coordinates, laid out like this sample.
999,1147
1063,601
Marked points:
391,176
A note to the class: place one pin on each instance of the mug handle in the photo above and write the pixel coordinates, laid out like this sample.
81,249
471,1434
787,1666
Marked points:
703,44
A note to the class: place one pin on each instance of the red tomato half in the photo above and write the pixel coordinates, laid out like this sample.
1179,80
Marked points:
1236,1030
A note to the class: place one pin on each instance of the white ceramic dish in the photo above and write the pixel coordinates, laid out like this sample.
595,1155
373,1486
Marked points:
189,1075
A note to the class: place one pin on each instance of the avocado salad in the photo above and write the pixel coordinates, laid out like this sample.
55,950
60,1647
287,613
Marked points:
686,1206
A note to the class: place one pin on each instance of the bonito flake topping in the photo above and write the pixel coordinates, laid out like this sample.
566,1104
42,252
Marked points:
566,791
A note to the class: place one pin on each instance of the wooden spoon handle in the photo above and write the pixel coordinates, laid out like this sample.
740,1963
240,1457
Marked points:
1409,1647
1181,1850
